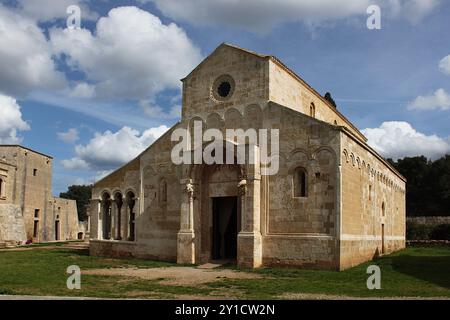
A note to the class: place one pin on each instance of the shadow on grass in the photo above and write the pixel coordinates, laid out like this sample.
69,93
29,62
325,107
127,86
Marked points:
6,292
68,252
80,252
433,269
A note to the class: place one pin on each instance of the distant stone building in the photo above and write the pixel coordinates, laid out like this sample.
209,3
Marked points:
28,211
333,204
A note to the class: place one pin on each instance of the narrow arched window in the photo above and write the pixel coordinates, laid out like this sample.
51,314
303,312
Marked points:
300,183
1,188
312,110
383,209
163,191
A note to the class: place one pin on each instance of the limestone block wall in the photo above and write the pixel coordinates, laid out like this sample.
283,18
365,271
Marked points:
155,181
8,178
12,227
161,201
287,89
373,205
301,230
28,176
62,220
250,75
32,185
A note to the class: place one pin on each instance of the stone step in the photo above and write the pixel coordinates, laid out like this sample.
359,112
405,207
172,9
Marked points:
215,264
10,243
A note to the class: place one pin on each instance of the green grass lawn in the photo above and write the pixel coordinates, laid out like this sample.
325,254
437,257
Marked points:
42,271
413,272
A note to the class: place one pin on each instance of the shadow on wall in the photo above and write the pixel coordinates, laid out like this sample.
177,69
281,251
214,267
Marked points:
433,269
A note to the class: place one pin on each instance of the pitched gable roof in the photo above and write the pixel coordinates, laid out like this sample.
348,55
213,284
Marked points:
289,71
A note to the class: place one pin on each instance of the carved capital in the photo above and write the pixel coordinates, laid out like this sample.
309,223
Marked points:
242,187
190,190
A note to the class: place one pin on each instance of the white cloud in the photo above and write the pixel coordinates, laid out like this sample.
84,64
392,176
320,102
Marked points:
399,139
155,111
258,15
47,10
11,121
25,55
70,136
109,150
444,65
101,174
262,15
416,10
75,164
82,90
132,54
438,100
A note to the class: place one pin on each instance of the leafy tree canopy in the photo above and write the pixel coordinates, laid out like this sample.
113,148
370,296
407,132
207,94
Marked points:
330,99
428,186
82,194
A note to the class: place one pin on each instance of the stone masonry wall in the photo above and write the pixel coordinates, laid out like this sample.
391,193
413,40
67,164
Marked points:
301,231
29,187
373,198
12,227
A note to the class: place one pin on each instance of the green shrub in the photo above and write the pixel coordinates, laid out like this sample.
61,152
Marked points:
6,292
441,232
418,231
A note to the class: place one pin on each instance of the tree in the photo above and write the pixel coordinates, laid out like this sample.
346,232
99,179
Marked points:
428,185
82,194
330,99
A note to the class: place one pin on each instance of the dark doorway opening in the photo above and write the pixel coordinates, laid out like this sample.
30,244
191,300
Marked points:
35,228
57,230
225,228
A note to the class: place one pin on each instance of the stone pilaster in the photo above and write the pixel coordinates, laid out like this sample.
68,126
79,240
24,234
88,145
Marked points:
249,238
186,235
94,218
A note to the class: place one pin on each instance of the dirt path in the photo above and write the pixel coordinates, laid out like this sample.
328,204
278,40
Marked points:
175,276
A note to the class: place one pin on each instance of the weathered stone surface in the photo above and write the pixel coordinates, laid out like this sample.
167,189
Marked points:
26,184
12,226
335,224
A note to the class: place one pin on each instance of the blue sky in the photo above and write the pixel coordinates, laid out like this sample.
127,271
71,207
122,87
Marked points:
91,100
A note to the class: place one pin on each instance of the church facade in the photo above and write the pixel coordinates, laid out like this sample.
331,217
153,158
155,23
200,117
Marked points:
332,204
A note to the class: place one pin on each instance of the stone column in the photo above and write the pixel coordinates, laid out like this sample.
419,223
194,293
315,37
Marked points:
112,233
249,238
125,220
186,235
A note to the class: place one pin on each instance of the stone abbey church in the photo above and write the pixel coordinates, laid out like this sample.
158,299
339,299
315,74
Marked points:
333,204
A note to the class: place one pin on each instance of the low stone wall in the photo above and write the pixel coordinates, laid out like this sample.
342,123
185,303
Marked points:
429,221
124,250
421,243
